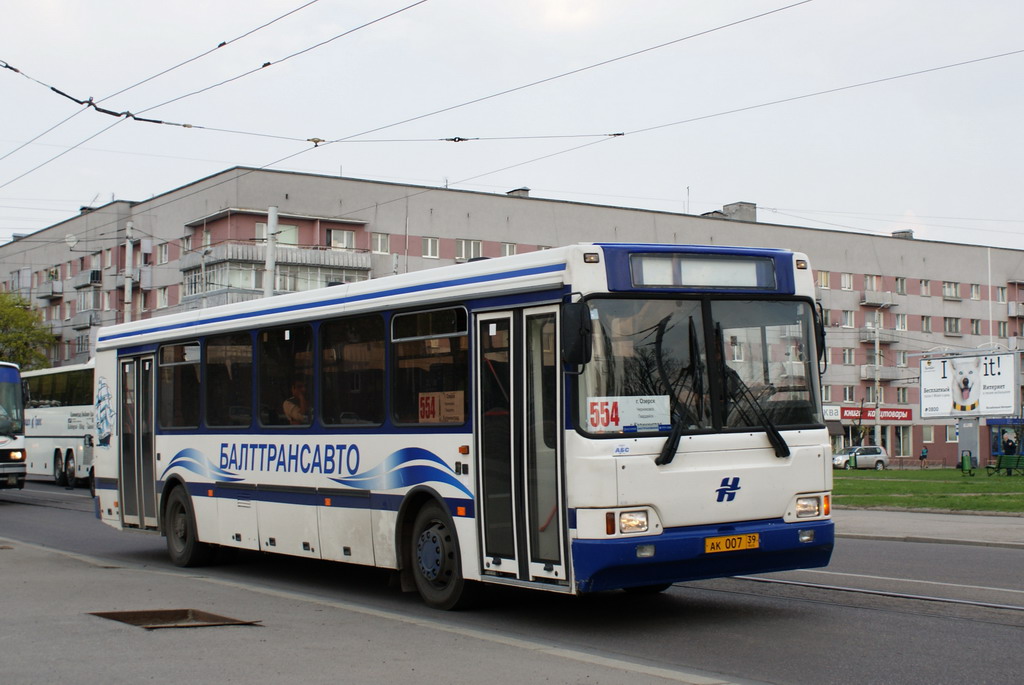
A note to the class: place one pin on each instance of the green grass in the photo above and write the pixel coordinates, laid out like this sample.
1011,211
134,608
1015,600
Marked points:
944,489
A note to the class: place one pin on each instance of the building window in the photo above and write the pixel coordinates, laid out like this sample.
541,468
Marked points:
869,395
900,322
162,253
287,234
431,248
1003,329
951,325
468,249
380,243
827,317
848,318
508,249
927,433
161,298
975,291
826,393
926,288
108,258
824,278
901,395
186,243
901,358
341,239
848,393
1001,294
846,281
901,285
848,356
903,441
926,324
951,433
872,282
951,290
975,326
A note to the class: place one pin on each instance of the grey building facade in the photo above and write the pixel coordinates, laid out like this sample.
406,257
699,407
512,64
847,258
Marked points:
886,299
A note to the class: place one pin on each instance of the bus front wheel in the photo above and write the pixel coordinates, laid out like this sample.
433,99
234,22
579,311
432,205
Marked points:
436,561
183,543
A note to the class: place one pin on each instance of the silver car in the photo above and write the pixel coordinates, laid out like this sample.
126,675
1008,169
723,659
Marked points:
864,457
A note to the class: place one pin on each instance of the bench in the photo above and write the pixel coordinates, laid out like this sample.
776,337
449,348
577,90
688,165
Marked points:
1007,462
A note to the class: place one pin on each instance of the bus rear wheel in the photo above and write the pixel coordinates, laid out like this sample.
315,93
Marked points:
183,545
437,567
59,474
70,476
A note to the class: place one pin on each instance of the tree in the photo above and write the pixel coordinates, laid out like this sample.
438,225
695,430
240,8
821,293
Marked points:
23,337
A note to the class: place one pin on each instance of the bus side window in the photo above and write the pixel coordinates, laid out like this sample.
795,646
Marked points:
285,361
352,371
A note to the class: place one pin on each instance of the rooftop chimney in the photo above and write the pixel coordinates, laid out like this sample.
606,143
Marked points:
740,211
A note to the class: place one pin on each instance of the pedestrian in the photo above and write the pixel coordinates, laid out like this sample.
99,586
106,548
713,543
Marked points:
923,458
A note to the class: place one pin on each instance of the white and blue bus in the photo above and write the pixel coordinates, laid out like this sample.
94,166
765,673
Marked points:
580,419
59,411
12,428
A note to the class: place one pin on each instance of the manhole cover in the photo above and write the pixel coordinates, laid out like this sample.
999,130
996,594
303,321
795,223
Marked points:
171,618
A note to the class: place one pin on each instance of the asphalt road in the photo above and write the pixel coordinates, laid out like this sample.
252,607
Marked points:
883,612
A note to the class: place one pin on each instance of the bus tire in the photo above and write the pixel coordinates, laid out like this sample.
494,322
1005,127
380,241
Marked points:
183,545
436,561
59,475
70,477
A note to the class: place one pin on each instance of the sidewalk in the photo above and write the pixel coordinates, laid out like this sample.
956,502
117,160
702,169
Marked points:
50,635
911,526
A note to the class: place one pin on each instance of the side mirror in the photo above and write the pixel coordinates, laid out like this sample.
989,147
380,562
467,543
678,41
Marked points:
577,331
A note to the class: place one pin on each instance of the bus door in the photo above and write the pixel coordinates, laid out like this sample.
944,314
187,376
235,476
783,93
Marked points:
521,504
137,471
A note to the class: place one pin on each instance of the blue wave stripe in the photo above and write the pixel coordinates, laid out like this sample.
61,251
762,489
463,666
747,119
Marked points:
193,460
416,474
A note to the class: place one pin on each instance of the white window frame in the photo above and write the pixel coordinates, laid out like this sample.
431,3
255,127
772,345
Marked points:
431,247
466,249
380,243
846,281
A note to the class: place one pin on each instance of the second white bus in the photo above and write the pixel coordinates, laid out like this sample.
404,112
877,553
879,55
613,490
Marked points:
59,418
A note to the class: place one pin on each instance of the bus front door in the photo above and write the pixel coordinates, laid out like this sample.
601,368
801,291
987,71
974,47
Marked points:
521,501
137,473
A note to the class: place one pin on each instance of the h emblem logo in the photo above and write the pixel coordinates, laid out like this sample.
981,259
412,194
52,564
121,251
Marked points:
730,486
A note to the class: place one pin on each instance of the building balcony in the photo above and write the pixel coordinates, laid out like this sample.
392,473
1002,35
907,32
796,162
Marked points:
885,337
141,278
1015,309
885,373
874,298
50,290
82,320
55,327
284,254
87,279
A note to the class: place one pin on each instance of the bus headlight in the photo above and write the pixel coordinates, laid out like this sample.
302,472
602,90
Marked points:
633,522
16,455
806,507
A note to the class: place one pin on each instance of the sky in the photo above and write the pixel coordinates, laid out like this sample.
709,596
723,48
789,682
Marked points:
868,116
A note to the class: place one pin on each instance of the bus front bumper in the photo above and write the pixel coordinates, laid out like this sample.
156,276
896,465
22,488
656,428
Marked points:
679,554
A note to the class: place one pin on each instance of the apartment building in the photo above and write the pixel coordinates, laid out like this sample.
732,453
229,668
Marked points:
886,299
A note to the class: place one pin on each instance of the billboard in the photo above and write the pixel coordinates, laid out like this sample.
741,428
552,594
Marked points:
976,385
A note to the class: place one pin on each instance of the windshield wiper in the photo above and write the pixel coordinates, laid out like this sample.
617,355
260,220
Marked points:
736,389
668,450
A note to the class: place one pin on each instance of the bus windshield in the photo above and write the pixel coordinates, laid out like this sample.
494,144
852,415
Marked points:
12,417
699,366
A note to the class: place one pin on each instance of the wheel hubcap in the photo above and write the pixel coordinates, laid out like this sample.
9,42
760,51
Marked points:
431,552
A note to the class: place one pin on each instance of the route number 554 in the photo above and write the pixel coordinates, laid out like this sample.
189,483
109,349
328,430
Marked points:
604,414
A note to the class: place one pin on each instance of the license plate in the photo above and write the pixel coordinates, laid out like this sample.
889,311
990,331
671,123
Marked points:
732,543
